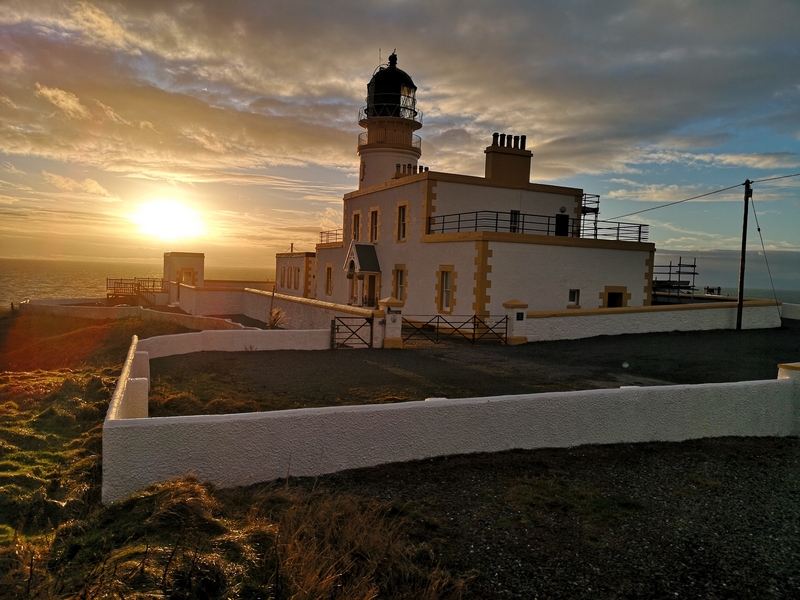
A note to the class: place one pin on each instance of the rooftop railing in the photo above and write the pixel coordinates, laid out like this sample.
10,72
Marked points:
331,237
131,287
517,222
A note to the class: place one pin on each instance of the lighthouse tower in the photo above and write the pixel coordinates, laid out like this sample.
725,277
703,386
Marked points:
388,145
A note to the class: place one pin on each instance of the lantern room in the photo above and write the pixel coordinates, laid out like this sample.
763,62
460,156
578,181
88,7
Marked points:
389,145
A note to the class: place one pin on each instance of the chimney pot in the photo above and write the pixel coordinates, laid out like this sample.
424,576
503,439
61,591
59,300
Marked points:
522,139
502,139
495,135
516,141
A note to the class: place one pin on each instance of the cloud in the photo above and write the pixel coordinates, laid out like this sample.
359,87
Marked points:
254,105
66,102
87,186
7,166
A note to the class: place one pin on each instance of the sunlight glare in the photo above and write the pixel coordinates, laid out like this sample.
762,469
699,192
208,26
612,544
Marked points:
168,220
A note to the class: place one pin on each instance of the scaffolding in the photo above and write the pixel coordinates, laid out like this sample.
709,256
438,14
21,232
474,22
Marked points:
674,282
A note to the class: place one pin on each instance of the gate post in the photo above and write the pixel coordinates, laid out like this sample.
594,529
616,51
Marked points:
392,322
515,310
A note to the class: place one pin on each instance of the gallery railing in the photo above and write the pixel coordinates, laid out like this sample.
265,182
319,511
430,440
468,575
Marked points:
517,222
381,136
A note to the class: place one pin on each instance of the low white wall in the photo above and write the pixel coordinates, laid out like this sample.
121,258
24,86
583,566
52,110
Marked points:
210,301
61,301
301,313
47,307
236,341
118,408
241,449
790,311
576,324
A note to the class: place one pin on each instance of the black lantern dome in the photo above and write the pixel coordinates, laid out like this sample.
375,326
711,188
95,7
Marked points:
391,93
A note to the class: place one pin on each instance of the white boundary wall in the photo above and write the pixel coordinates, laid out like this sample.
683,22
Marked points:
576,324
301,313
790,311
58,308
235,341
241,449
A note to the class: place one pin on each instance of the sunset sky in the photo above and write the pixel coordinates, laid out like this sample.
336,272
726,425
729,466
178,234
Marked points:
128,129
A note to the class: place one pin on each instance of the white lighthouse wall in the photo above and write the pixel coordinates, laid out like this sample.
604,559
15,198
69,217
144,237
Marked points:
380,164
542,275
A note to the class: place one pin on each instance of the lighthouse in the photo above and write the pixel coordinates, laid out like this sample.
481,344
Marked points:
389,145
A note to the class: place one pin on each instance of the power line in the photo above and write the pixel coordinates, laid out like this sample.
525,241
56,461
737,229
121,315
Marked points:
764,250
703,195
774,178
678,201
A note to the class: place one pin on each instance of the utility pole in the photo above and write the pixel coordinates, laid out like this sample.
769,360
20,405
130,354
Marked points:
748,193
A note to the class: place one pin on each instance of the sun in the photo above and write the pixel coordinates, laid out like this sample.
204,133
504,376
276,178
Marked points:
168,220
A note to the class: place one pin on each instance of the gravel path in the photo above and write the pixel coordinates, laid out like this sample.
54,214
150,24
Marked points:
717,518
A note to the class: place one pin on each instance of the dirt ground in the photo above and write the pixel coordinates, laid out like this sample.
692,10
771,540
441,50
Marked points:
458,369
716,518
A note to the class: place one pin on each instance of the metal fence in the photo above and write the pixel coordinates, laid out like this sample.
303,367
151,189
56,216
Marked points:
472,328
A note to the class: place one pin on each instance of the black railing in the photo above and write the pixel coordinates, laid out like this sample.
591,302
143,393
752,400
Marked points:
389,109
517,222
131,287
472,328
331,237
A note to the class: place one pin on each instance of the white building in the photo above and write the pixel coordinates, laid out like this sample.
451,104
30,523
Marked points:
453,244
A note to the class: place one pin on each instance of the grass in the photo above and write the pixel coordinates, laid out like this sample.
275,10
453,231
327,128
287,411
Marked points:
632,521
182,539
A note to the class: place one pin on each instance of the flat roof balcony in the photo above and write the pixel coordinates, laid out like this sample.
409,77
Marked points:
517,222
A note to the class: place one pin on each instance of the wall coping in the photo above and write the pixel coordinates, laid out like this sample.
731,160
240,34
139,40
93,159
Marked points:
586,312
356,310
515,304
537,239
122,383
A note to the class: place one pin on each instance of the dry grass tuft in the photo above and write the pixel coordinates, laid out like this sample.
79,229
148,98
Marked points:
181,539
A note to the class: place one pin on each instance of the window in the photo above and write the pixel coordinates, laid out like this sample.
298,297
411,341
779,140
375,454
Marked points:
328,280
574,297
445,291
356,226
514,225
402,210
296,277
373,226
399,282
283,276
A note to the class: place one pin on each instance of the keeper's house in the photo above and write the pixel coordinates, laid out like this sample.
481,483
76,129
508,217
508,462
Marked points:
452,244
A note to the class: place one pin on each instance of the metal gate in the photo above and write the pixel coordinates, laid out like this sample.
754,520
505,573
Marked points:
441,327
351,332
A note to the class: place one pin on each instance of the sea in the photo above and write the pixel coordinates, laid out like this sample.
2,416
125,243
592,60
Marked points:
22,279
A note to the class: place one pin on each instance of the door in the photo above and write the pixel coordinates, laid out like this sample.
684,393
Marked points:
369,293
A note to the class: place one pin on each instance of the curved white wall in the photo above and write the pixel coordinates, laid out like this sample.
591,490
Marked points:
241,449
